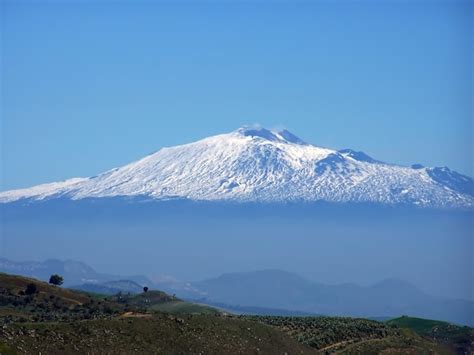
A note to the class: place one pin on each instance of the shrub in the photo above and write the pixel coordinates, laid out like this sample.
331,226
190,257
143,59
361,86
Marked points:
31,289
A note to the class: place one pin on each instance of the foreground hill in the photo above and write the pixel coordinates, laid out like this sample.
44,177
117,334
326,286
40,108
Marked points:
46,321
24,299
261,165
159,333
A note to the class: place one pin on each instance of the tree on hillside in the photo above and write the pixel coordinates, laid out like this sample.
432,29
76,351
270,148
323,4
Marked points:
31,289
145,289
56,280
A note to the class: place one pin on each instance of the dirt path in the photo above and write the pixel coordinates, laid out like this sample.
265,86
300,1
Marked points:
335,345
135,315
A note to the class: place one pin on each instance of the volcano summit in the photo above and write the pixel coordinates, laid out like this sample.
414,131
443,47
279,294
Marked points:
261,165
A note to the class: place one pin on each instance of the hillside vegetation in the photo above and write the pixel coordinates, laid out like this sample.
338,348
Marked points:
459,338
351,335
50,303
161,301
53,320
47,322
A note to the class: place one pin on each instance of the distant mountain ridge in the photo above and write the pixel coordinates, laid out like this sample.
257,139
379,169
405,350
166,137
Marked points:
74,272
267,292
261,165
287,291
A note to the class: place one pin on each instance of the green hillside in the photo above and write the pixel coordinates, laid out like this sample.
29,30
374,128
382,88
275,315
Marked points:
53,320
459,338
50,303
351,335
47,322
158,333
160,301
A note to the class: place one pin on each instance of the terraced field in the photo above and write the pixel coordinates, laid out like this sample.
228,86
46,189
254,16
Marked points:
351,335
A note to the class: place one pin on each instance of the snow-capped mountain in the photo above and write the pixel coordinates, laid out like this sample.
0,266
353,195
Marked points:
260,165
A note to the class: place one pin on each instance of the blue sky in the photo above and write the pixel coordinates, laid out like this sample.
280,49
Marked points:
90,85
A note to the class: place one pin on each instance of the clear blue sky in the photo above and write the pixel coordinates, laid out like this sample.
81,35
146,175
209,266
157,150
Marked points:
90,85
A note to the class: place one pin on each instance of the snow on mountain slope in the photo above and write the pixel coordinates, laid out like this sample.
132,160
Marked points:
40,191
261,165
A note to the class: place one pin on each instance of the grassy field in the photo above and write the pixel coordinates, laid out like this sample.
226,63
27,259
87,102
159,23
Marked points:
158,333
